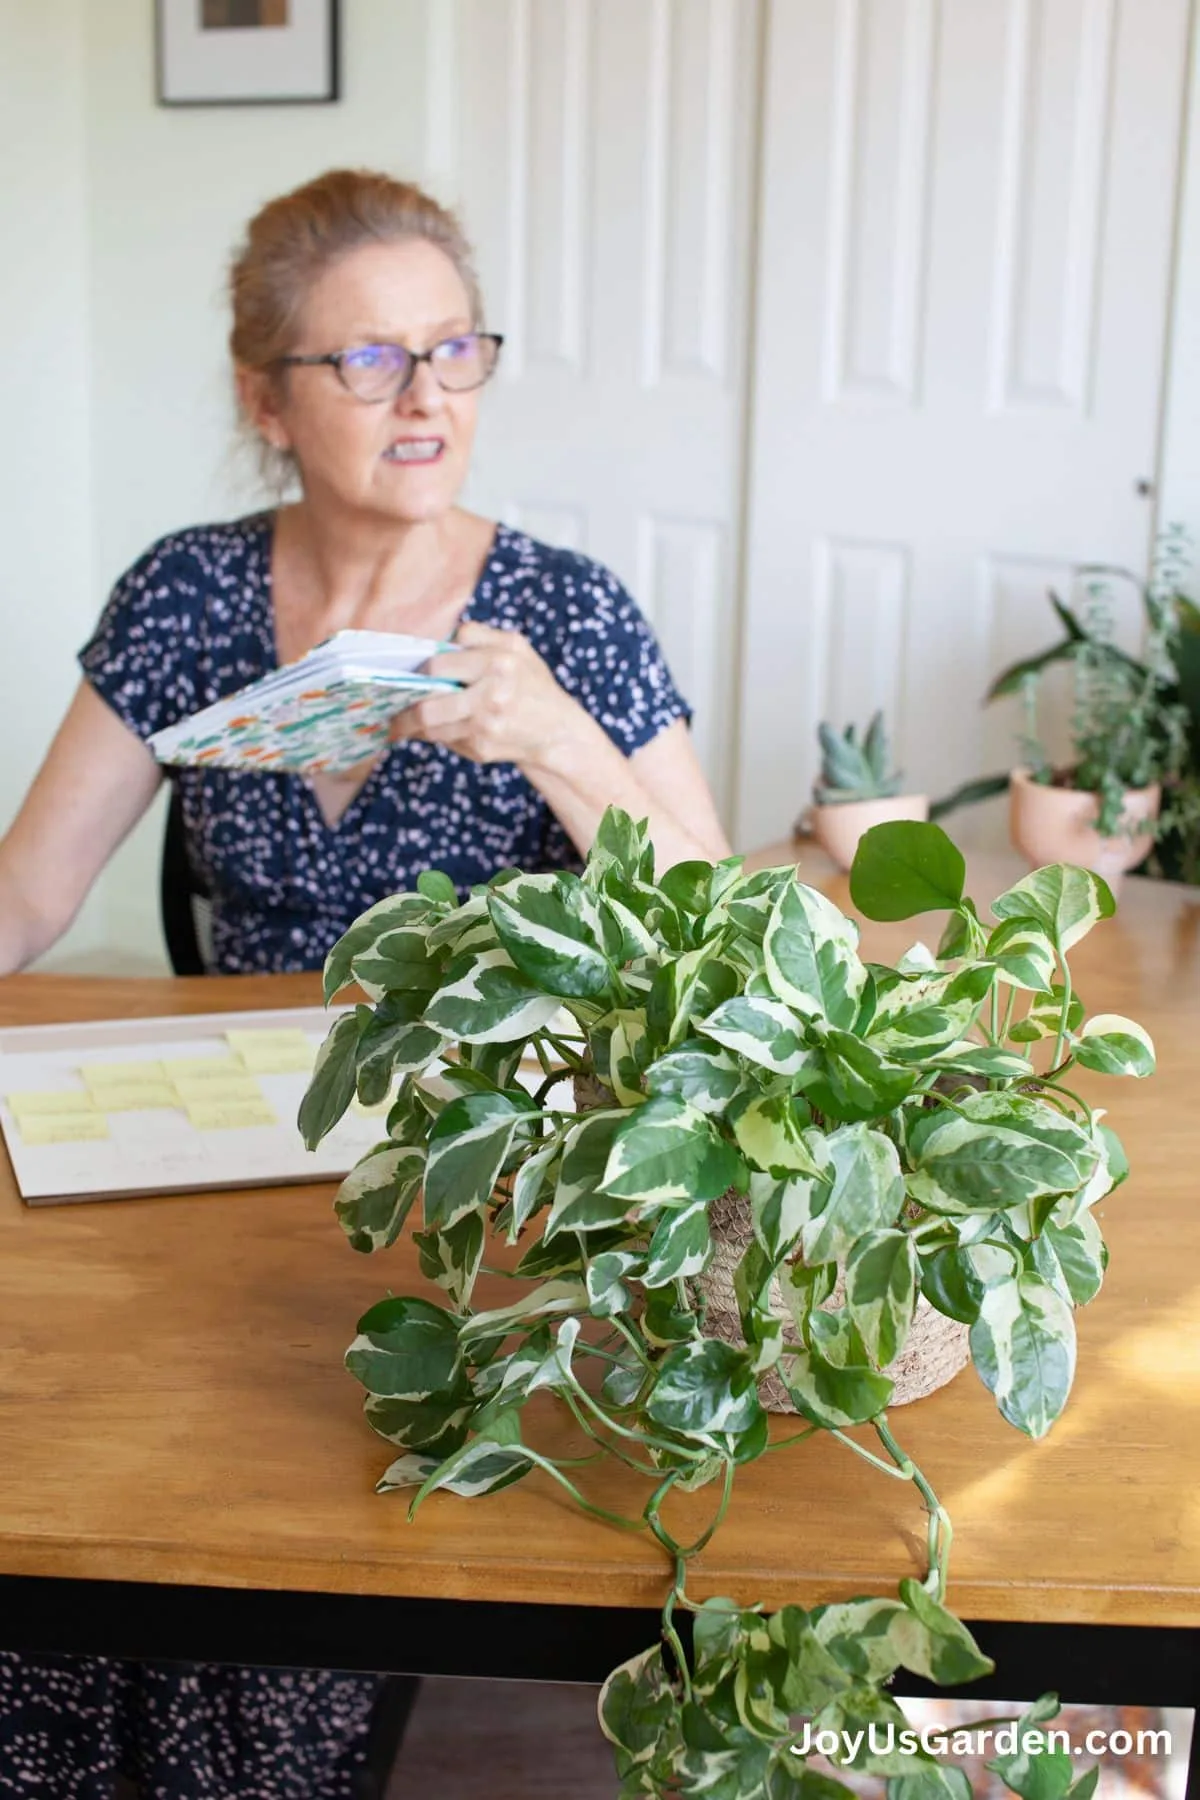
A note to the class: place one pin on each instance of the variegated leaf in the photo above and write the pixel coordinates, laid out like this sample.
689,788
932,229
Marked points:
1064,901
705,1387
667,1151
769,1129
398,911
487,1000
451,1257
811,956
1023,1345
763,1032
865,1190
703,1075
408,1349
1115,1046
881,1291
996,1150
1023,954
546,1301
375,1198
467,1149
550,925
580,1204
532,1186
680,1247
830,1396
331,1085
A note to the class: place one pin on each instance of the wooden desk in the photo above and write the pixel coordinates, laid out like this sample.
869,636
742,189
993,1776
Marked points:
184,1469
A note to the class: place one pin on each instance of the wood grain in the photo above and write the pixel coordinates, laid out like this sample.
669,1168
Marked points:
173,1407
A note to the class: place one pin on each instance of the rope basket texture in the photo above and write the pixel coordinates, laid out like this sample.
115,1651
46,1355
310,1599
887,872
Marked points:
935,1349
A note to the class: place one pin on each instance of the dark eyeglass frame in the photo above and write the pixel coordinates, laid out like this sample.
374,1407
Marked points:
335,358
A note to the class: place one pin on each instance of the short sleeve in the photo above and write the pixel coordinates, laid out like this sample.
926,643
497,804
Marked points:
610,659
141,658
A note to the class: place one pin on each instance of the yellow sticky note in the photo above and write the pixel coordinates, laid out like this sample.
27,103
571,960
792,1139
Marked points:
123,1074
135,1096
273,1052
54,1100
61,1127
202,1068
230,1115
234,1084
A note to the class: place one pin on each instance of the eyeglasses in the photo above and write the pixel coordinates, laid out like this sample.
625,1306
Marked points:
378,372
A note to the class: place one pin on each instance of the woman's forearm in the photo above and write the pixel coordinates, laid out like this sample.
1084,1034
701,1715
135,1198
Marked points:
586,774
25,930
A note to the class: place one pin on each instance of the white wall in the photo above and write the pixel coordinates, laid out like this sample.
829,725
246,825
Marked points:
1180,481
45,507
120,280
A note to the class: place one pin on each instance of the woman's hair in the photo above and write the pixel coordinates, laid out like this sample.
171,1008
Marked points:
291,242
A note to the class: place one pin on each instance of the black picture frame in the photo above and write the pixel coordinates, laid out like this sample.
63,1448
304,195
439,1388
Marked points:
168,47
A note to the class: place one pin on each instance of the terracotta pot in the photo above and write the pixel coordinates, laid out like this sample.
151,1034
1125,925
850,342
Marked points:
1056,824
838,828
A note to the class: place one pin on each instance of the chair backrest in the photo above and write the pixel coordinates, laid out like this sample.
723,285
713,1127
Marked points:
182,897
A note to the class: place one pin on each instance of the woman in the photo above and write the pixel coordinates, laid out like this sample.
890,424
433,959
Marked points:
359,355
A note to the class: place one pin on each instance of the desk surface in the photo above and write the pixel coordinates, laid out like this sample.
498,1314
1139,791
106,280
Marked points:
173,1407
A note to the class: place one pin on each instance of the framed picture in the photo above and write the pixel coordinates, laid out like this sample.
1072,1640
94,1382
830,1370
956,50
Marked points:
246,52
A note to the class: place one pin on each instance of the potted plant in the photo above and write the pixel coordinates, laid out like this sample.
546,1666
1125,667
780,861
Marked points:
857,788
1134,773
879,1133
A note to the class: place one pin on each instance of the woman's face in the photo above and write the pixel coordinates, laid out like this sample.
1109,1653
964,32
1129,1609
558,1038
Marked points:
405,458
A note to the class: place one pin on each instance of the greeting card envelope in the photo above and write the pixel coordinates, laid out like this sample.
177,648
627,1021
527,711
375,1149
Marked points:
324,713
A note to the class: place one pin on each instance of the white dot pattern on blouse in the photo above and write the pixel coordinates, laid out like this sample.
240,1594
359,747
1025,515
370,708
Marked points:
192,621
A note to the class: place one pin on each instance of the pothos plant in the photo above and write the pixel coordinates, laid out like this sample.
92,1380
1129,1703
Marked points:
886,1122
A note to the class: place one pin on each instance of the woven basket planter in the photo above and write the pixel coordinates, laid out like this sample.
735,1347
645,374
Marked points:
934,1351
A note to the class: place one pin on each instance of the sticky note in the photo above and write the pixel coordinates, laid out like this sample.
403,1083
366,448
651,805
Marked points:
202,1068
233,1084
54,1100
61,1127
134,1096
230,1115
122,1074
273,1052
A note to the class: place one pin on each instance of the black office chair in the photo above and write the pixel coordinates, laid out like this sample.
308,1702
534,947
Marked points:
182,897
184,909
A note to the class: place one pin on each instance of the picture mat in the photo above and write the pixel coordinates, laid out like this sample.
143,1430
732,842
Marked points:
267,62
160,1152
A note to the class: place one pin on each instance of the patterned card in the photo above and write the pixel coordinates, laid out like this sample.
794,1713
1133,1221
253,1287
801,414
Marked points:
324,713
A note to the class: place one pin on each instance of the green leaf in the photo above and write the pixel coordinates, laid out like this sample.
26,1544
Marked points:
1023,954
859,1635
769,1129
705,1387
331,1087
451,1258
397,911
435,1427
905,868
1064,901
438,887
995,1151
1115,1046
1078,1257
687,885
375,1198
934,1643
551,927
695,1072
846,1079
485,999
580,1204
1045,1015
680,1247
949,1281
861,1169
1023,1345
811,956
763,1032
549,1300
622,844
830,1396
779,1209
397,962
665,1320
532,1187
638,1714
480,1467
407,1349
392,1044
881,1291
1035,1774
467,1150
667,1151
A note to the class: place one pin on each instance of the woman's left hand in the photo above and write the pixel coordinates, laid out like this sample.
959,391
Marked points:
510,709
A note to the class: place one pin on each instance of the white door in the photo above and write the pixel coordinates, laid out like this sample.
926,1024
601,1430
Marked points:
965,246
605,172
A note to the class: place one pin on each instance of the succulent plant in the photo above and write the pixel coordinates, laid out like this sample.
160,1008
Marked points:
854,771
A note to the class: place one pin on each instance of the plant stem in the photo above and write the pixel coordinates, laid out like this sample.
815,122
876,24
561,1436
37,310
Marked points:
940,1529
612,1449
1066,1009
903,1473
598,1512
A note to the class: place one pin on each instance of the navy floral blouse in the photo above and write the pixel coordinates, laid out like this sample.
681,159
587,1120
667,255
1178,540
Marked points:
193,621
